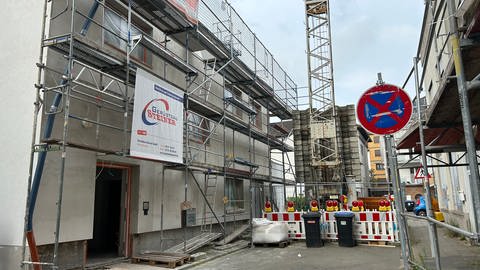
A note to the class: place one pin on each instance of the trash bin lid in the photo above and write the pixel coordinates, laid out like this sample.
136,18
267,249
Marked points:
311,215
344,214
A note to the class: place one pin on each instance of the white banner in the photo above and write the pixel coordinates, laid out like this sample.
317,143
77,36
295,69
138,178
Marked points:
157,124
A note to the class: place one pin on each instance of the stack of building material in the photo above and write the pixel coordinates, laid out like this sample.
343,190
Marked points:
349,141
301,142
348,148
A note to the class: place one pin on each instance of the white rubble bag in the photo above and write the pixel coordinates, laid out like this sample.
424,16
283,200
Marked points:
266,231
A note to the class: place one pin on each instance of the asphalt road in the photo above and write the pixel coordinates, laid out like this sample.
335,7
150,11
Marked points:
298,256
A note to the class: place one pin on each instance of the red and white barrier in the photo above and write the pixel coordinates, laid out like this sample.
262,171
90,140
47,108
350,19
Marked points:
375,226
294,221
367,225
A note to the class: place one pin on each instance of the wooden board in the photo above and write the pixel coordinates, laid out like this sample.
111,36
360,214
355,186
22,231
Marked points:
376,244
171,260
281,244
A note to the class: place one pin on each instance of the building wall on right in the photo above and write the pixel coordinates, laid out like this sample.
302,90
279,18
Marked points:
450,183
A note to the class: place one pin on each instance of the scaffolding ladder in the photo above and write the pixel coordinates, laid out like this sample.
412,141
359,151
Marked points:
210,190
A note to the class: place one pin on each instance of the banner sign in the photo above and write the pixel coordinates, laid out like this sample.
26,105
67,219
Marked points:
157,124
187,7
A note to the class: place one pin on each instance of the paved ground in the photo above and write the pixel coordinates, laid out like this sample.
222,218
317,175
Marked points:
298,256
455,253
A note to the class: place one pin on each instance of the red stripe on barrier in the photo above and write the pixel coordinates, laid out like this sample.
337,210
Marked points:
265,215
274,217
364,236
389,237
378,237
296,217
363,217
376,216
387,216
286,217
327,216
298,235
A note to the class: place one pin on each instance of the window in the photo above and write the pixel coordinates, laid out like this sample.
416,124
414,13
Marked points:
377,153
115,35
230,107
379,167
234,195
376,139
198,128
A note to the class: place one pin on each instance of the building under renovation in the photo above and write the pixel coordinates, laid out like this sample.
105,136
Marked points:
98,179
450,133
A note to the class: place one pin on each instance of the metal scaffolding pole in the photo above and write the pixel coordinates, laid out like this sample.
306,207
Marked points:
392,165
432,229
466,118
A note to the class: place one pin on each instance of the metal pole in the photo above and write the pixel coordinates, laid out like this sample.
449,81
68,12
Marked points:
61,178
187,144
162,207
432,228
252,192
392,166
466,119
392,161
403,219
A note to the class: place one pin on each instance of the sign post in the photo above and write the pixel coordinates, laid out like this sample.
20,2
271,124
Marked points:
385,109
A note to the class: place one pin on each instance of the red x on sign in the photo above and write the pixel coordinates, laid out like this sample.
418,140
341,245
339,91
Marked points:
384,109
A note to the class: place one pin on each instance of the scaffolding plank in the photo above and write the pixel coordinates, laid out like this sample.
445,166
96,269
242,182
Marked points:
195,243
236,233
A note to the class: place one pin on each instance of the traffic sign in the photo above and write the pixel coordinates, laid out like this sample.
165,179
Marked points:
420,174
384,109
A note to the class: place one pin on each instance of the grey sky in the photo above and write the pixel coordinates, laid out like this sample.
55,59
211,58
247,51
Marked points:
368,36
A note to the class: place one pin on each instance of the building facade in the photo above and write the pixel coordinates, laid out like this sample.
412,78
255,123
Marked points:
90,192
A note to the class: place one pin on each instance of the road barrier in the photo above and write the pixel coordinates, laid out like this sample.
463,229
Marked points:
367,225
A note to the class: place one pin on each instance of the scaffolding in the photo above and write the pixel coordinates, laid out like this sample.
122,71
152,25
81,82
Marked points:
317,155
233,85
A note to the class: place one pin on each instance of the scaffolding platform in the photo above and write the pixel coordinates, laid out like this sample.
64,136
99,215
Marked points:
195,243
236,233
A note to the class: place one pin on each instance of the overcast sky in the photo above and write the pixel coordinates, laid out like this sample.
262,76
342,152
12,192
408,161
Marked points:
368,36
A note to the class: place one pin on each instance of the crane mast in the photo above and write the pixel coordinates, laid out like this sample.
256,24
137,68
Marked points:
325,161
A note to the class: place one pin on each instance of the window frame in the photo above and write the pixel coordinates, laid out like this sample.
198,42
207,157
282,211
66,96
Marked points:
234,204
114,9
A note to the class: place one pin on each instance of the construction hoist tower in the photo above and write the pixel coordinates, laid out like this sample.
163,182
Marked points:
325,161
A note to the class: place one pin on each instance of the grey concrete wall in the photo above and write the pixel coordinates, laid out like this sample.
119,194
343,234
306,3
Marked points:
10,257
70,254
78,197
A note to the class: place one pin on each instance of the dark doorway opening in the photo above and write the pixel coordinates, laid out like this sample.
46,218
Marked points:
107,237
